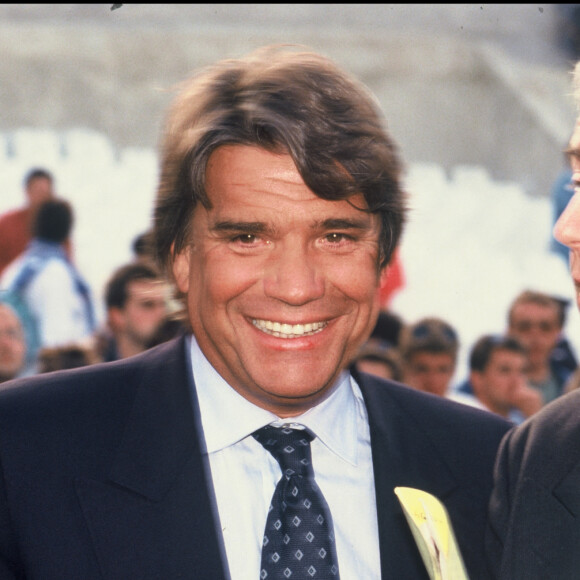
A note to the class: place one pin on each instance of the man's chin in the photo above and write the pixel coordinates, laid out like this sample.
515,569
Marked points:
294,392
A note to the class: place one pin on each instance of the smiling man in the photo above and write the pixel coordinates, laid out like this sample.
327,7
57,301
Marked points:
248,449
301,275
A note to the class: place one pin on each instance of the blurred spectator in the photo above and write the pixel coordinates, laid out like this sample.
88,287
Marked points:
381,359
173,325
563,355
69,356
429,355
136,300
388,328
12,344
142,248
52,289
16,225
537,321
497,372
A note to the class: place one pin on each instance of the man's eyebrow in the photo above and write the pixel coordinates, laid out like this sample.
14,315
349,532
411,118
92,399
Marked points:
239,226
345,224
261,227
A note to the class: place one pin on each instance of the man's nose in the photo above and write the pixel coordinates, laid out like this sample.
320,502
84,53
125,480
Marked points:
293,275
567,228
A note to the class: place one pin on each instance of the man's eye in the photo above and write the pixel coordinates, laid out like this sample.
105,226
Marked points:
336,237
245,238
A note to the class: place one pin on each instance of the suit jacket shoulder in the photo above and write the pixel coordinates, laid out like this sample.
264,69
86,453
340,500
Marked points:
534,510
466,438
104,474
440,446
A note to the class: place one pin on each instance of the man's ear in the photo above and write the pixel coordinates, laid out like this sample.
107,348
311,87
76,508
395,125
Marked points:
180,268
476,380
115,318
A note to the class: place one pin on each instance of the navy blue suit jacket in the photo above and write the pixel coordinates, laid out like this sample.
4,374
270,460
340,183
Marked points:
103,474
534,530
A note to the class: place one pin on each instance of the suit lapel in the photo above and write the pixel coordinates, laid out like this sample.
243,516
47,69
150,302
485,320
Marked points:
546,528
161,434
155,516
566,492
402,456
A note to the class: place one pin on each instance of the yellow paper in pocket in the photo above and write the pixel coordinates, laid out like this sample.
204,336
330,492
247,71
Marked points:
433,533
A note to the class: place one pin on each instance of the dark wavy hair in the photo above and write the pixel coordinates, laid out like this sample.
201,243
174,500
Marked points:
486,345
285,101
116,289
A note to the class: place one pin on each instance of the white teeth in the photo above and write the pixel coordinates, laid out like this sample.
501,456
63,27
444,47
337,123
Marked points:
288,330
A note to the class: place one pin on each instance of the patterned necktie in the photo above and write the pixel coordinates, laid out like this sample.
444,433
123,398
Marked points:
299,537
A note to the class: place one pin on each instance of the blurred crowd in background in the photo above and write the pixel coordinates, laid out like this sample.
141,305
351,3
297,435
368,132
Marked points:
48,316
49,321
488,324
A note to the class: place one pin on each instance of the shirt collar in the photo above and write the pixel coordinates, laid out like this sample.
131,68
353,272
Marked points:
227,417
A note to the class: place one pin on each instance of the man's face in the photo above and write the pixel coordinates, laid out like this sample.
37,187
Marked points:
567,228
497,384
39,190
281,285
537,327
144,310
12,344
430,372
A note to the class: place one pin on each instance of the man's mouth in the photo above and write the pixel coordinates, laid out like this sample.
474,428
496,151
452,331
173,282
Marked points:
283,330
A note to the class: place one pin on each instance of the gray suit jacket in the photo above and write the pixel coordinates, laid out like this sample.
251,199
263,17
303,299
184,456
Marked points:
104,476
534,531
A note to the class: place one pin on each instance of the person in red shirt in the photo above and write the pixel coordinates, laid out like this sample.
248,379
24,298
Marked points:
15,225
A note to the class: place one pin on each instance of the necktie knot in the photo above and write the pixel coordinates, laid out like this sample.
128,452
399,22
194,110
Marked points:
290,447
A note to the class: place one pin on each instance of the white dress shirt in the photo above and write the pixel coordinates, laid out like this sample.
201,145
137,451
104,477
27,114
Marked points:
244,474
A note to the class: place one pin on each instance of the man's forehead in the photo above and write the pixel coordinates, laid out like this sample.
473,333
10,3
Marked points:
507,353
432,356
316,212
40,181
144,286
534,311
